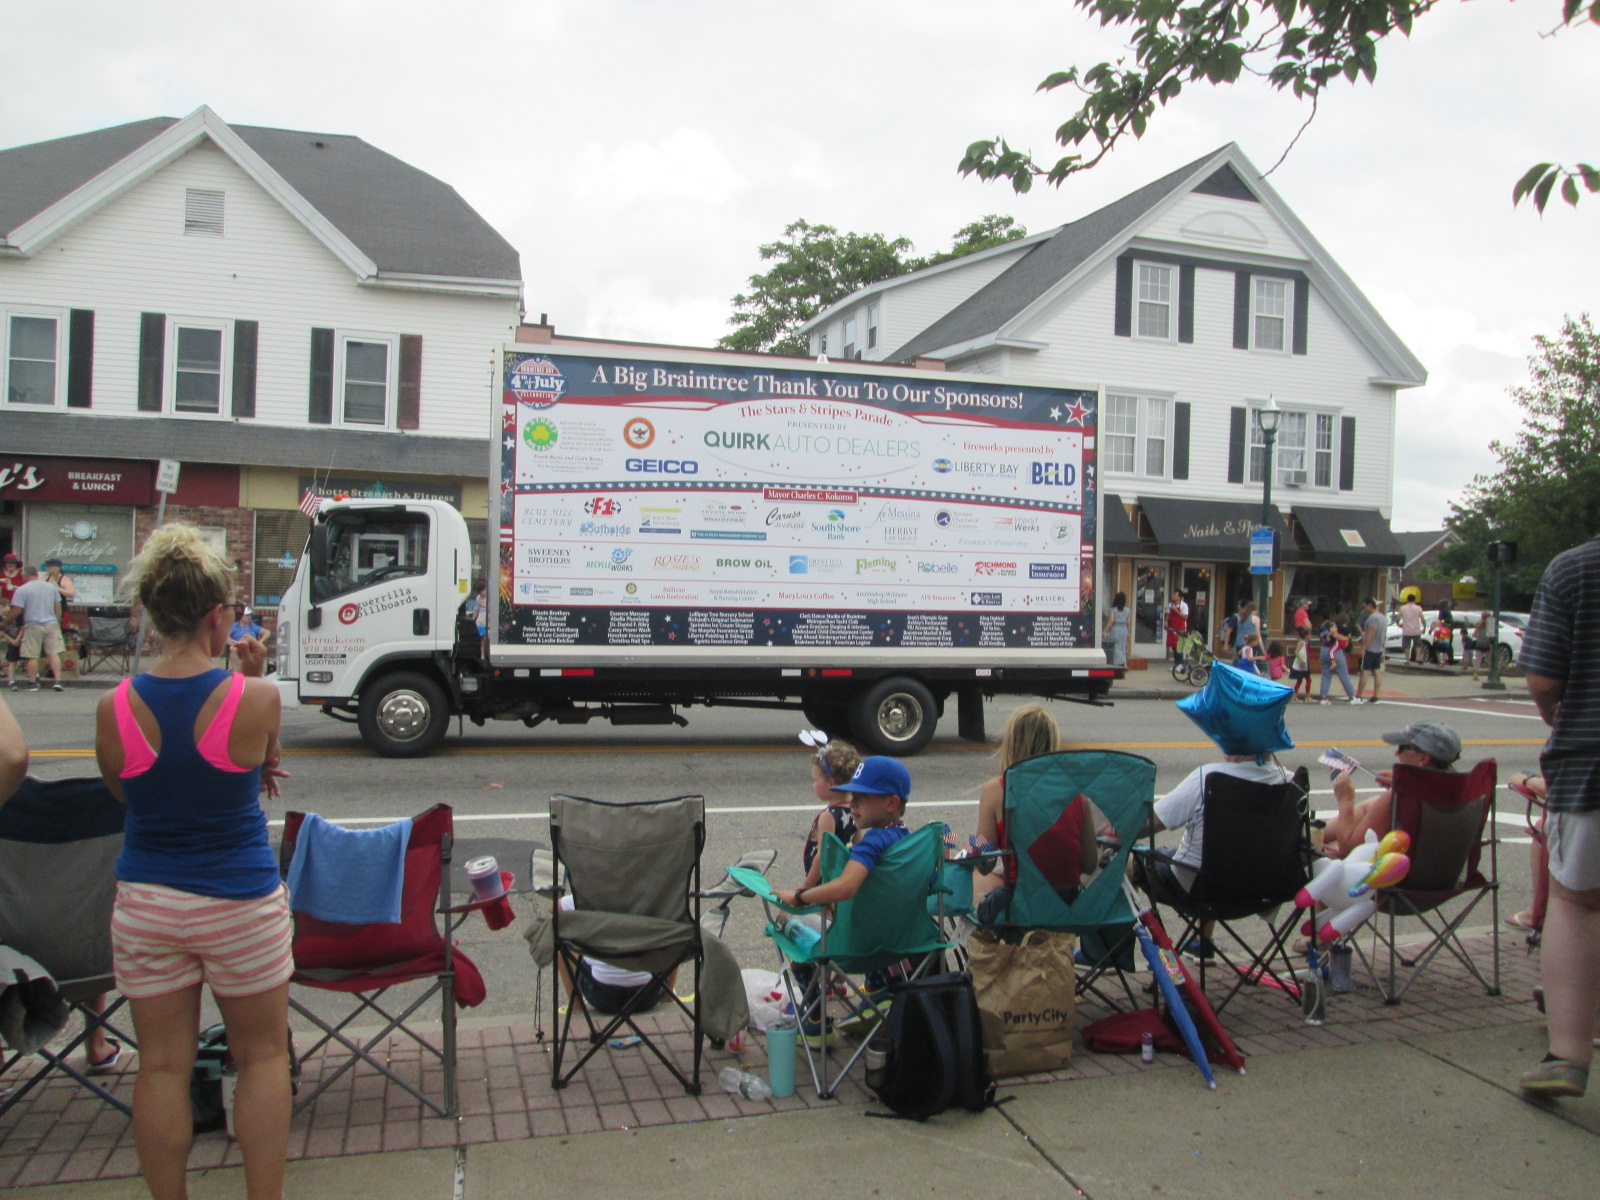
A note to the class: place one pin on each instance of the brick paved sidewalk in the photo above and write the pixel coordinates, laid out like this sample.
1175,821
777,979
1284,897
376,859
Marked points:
64,1135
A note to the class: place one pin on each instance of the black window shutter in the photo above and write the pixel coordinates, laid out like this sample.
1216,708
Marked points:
321,408
1186,304
1241,310
80,358
1122,322
410,414
1302,307
1347,454
245,334
1180,439
1236,445
152,349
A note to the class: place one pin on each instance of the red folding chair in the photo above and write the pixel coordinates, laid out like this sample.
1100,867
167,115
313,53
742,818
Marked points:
366,961
1450,816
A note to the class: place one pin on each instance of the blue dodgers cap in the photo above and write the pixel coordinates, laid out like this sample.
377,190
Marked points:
880,776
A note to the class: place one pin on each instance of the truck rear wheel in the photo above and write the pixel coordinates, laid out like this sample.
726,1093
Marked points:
404,715
894,716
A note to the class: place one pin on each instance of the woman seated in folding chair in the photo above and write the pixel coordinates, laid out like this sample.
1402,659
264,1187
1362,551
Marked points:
189,748
1030,731
606,989
1420,744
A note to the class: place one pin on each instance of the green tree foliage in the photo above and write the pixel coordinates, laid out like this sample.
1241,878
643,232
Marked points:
815,265
1300,46
1545,496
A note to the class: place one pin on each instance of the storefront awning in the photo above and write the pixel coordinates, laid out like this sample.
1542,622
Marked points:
1212,530
1117,534
1350,537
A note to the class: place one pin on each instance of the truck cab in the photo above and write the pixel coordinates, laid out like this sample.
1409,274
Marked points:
375,598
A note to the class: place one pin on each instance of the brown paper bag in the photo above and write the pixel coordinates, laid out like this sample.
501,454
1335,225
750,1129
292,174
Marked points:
1025,999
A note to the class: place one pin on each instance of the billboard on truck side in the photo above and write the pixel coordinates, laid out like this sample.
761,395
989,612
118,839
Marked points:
738,510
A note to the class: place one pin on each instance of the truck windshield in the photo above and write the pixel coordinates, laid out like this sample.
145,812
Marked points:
365,549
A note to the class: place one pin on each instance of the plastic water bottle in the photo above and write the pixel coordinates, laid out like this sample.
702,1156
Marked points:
741,1083
1147,1048
1341,956
802,935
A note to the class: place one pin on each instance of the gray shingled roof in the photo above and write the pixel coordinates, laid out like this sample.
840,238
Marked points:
1418,542
245,442
402,218
1040,269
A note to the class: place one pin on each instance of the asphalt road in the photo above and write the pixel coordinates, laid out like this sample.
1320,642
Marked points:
754,774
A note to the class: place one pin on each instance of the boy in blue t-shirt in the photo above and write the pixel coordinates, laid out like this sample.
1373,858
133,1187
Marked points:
878,792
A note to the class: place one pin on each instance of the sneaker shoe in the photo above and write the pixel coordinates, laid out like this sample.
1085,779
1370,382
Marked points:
57,687
1324,701
1354,700
1555,1077
1198,948
811,1033
33,687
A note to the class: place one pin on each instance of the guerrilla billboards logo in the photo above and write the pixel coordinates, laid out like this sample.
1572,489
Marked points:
638,433
1049,570
602,506
995,568
539,434
877,566
402,597
536,382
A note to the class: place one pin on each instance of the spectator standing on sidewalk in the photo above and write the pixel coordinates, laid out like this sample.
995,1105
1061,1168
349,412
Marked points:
1411,623
38,603
1335,639
1561,653
1374,629
11,577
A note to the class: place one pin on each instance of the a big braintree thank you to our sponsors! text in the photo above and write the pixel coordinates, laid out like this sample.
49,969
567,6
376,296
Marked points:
667,504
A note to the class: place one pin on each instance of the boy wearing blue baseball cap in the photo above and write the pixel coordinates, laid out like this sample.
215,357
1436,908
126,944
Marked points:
878,792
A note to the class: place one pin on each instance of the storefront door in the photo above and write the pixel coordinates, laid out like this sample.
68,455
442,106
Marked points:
1197,585
1150,607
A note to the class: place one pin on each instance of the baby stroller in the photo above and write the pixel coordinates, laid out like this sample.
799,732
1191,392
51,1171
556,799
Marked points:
1194,659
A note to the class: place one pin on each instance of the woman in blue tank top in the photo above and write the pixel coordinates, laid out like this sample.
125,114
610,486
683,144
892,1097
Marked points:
189,748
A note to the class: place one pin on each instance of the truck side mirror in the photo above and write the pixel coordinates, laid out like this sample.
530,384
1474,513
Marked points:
318,549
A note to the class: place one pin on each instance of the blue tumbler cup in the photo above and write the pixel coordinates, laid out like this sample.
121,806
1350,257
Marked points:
780,1060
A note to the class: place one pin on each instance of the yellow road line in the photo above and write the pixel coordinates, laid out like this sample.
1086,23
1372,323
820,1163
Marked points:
361,752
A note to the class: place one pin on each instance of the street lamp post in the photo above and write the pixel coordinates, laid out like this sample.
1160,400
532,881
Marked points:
1267,417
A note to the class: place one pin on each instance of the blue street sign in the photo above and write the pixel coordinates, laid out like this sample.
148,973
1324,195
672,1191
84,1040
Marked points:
1261,551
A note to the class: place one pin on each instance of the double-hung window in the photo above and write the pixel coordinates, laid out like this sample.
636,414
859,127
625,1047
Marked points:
1302,453
31,356
1154,315
872,326
1135,434
197,358
849,337
1269,313
365,372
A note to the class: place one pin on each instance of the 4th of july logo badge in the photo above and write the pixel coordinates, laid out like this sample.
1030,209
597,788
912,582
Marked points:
536,382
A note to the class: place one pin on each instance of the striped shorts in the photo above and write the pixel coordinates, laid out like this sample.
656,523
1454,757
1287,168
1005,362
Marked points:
164,940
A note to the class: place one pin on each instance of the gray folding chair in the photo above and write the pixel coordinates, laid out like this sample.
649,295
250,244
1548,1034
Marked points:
633,871
61,840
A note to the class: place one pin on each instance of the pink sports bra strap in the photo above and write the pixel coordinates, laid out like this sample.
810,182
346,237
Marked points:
213,747
137,755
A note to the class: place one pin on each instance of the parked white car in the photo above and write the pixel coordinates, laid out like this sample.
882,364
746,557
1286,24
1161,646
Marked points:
1512,626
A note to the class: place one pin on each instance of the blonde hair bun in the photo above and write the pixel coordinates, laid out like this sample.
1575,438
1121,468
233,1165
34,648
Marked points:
179,577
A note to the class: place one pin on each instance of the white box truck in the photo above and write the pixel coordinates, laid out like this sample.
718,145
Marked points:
675,528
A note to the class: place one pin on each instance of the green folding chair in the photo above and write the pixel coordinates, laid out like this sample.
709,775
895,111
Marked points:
1042,826
887,921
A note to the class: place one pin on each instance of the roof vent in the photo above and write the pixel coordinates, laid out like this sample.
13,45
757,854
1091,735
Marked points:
202,212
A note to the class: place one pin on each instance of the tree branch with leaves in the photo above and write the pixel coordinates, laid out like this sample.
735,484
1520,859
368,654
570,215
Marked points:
1299,46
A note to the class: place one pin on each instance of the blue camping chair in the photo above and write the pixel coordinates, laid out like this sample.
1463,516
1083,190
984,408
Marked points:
1042,826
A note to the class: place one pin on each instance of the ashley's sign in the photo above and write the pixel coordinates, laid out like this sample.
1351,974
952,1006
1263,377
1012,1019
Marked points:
80,480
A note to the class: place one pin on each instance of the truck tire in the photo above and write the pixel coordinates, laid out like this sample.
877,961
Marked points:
833,718
894,716
404,715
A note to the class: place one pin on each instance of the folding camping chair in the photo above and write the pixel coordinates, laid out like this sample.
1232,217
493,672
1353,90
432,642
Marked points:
366,961
726,890
885,922
1043,825
1450,817
633,871
109,639
61,840
1258,854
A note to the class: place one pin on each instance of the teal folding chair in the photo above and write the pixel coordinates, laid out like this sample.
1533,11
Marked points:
887,921
1043,825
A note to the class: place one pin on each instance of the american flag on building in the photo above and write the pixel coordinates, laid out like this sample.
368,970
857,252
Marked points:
310,503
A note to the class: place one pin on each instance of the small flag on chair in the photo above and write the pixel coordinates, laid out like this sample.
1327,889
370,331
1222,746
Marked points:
310,503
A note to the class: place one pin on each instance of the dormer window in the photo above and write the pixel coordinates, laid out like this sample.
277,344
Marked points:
202,212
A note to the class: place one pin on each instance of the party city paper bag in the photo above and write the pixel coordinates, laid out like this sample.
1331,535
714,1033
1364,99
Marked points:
1025,1000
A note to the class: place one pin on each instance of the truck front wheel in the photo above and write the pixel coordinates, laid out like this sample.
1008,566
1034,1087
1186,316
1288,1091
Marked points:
894,716
404,715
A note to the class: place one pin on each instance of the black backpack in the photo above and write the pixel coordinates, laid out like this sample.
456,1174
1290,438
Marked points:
935,1058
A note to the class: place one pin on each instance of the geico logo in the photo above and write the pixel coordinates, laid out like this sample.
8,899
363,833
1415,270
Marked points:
1054,474
663,466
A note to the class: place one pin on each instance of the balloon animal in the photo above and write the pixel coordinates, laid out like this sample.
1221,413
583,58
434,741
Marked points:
1348,888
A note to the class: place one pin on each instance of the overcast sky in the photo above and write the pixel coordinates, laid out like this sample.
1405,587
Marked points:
636,152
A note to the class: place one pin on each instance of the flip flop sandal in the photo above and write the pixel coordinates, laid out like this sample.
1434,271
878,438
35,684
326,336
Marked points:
1520,921
108,1064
